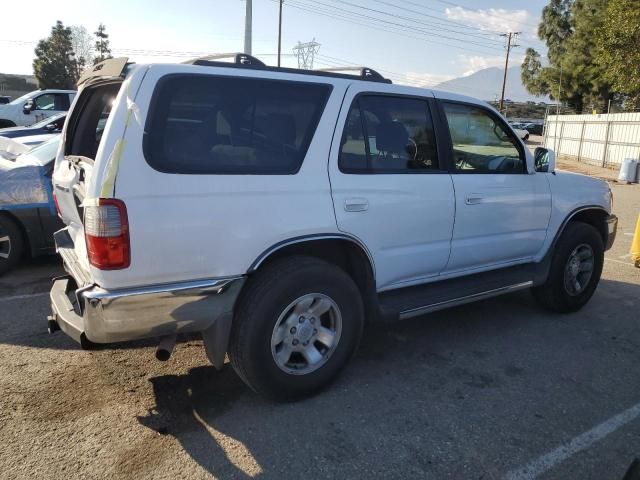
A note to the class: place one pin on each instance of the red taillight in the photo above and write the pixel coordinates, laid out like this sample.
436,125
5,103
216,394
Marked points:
106,230
55,201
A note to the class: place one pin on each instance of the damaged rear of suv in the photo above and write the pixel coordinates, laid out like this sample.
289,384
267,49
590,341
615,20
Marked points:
165,175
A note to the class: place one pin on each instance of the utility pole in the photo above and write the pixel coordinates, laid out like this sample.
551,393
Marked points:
280,31
508,36
559,103
247,28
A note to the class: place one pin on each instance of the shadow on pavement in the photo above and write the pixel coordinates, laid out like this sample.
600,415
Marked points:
470,386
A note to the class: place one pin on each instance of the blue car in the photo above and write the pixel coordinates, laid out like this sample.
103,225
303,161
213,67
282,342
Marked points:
28,215
49,125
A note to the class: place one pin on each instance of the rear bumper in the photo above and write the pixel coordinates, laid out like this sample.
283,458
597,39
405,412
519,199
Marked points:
612,227
106,316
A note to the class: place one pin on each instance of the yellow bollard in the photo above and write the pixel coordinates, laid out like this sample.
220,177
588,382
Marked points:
635,245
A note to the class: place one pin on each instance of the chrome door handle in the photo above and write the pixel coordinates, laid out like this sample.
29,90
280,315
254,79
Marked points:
473,199
356,204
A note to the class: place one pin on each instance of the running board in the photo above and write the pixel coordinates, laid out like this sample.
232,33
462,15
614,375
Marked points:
428,297
414,312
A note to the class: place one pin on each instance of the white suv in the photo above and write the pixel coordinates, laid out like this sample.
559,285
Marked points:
34,107
276,211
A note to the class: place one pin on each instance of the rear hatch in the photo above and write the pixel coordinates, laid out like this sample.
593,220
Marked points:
75,168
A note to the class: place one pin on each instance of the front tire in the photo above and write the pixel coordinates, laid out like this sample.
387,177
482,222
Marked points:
575,270
296,325
6,123
11,244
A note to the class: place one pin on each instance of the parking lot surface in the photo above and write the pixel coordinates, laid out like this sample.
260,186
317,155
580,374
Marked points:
496,389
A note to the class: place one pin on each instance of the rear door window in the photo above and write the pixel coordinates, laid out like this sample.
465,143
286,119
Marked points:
201,124
388,134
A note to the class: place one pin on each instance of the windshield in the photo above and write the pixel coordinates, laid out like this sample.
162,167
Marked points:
22,99
48,120
43,154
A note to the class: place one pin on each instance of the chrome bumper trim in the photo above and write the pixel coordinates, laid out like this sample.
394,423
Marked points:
107,316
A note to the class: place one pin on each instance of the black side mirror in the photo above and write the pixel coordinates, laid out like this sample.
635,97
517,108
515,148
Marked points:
545,160
26,109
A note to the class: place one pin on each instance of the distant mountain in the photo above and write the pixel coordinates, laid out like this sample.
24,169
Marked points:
486,84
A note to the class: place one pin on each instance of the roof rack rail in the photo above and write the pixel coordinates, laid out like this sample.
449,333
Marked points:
365,73
240,59
243,60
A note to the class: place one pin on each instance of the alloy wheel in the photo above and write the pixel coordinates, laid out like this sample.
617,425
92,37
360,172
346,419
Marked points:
306,334
578,269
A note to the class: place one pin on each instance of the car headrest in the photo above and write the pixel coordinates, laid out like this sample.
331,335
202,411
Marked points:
392,137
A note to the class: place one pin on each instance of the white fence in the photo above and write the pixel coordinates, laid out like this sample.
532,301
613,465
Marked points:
604,140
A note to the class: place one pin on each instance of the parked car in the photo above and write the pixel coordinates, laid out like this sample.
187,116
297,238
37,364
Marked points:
27,213
49,126
277,211
534,128
520,131
10,148
35,107
4,99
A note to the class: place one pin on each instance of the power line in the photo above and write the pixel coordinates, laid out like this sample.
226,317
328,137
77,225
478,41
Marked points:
396,24
440,20
354,18
421,22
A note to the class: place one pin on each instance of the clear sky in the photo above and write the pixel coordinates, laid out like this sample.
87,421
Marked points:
418,42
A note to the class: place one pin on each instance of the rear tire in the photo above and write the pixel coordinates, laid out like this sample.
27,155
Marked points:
6,123
290,302
11,244
575,269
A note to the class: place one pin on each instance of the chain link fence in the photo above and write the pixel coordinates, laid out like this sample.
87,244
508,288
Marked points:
604,140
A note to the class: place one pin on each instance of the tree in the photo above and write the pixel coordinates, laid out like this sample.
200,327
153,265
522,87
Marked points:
82,43
55,65
102,49
573,75
619,49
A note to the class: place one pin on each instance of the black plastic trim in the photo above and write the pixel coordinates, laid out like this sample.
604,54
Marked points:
309,238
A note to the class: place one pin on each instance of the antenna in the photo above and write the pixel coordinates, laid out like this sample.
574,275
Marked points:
306,53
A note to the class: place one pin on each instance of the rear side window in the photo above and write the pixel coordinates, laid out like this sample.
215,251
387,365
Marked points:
388,134
228,125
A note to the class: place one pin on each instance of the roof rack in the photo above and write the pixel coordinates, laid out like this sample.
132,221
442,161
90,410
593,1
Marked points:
240,59
243,60
365,73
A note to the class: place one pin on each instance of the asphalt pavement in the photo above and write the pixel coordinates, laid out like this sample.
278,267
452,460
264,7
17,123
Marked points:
496,389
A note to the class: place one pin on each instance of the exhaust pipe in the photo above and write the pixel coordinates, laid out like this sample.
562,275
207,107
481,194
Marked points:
52,324
165,347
